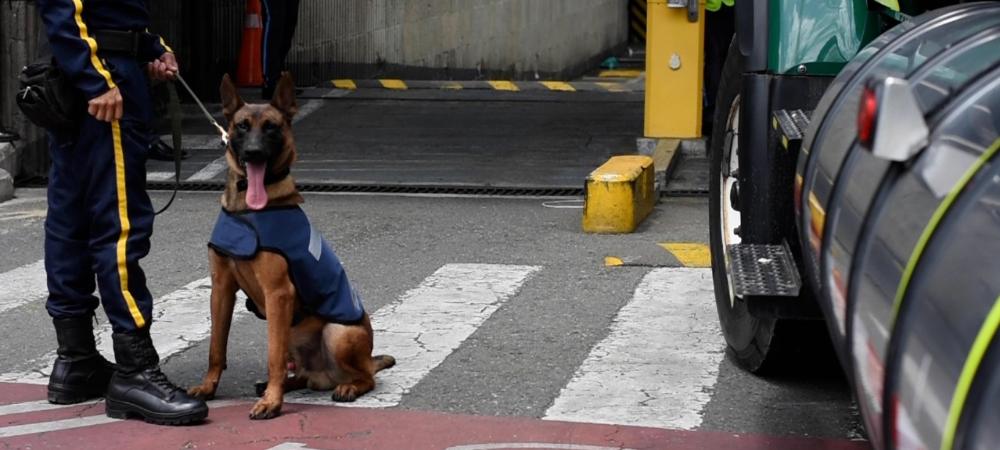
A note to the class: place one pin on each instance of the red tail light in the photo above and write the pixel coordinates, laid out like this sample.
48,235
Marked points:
866,116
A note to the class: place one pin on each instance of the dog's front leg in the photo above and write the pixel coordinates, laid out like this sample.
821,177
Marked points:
224,288
280,303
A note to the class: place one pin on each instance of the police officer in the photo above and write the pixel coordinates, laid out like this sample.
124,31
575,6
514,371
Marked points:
99,215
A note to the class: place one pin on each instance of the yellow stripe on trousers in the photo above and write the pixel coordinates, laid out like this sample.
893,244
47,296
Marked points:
94,60
126,226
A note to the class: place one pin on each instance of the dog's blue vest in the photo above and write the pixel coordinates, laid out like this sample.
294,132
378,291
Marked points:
316,273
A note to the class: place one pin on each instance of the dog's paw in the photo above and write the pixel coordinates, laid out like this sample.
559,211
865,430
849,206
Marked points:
345,393
202,392
265,410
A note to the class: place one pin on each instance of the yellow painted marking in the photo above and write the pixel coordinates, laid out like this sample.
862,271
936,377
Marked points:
454,86
345,84
690,254
126,225
94,60
619,195
774,123
784,142
613,261
559,86
612,87
398,85
620,73
501,85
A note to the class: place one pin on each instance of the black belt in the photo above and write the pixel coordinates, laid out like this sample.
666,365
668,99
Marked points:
123,43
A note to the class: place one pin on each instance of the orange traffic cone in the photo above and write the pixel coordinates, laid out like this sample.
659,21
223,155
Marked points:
251,69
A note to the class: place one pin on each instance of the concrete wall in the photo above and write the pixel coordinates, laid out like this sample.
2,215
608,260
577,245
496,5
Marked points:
438,39
455,38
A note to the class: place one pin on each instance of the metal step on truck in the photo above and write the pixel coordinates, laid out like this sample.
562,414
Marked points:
854,180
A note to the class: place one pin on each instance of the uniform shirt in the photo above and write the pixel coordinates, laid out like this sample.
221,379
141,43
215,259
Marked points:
318,276
70,25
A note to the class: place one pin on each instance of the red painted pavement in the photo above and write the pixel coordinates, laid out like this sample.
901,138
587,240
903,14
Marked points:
331,427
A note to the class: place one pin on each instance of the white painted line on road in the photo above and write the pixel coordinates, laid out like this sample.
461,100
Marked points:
36,406
196,141
532,445
660,362
214,168
426,324
82,422
23,285
160,176
55,425
180,320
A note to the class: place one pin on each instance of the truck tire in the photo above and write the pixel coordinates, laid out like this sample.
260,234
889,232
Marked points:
753,343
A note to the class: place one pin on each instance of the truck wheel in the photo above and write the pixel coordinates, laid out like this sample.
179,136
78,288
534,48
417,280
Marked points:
751,341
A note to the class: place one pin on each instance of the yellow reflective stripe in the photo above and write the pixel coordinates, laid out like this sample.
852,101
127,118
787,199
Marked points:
165,46
126,226
94,60
972,362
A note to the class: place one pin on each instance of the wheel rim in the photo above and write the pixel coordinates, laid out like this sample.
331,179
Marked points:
730,217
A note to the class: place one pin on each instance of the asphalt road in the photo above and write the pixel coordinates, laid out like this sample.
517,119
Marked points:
517,361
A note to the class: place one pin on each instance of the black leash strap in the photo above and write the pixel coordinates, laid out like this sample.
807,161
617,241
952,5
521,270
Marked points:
174,109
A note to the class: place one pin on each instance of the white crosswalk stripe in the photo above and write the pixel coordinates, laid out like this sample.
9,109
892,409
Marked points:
22,285
659,363
180,320
429,322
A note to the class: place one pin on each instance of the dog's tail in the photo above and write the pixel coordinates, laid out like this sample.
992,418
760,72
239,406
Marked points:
383,362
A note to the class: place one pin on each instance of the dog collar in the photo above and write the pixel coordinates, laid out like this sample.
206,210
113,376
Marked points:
269,179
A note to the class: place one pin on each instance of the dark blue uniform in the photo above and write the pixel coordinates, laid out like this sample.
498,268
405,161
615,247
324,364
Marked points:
99,216
319,279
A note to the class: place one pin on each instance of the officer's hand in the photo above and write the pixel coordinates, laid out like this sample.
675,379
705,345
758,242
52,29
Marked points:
163,68
106,107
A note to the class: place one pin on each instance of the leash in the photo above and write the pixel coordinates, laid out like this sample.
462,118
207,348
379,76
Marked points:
174,108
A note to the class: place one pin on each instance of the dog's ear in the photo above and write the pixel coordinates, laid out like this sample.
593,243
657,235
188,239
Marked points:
284,97
231,101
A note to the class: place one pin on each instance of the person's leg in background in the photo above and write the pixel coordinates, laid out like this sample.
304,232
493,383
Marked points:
280,19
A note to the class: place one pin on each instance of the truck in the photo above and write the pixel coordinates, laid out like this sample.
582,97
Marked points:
854,183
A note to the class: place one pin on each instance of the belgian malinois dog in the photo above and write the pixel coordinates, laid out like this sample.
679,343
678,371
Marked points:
320,353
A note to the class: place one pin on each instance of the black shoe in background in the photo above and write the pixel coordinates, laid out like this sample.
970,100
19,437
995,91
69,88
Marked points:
79,373
160,151
139,389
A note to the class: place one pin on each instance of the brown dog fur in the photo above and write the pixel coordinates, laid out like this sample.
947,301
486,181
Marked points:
325,355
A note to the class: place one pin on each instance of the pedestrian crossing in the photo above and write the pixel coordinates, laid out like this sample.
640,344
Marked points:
656,366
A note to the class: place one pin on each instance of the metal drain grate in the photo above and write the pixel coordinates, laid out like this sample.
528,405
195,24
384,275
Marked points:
489,191
763,270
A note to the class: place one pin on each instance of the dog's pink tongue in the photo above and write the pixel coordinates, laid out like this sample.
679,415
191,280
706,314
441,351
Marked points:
256,194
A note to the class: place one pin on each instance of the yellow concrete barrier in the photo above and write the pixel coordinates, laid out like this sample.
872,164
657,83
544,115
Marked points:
619,195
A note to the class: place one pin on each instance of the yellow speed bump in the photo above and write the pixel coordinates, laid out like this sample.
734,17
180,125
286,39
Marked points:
689,254
620,194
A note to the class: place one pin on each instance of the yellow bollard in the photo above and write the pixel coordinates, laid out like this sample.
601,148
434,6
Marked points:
620,194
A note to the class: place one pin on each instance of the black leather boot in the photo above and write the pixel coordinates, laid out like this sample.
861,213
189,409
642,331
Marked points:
139,389
80,373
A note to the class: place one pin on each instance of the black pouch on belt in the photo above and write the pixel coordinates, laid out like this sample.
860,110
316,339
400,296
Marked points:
48,98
